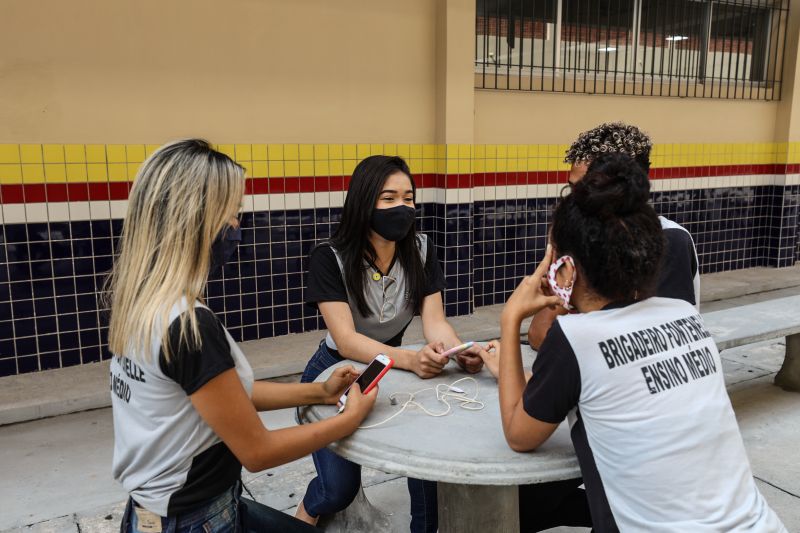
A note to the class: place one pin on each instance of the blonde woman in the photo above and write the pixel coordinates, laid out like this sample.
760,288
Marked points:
184,400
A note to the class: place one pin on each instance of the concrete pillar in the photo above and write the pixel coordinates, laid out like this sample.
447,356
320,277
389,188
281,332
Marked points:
455,93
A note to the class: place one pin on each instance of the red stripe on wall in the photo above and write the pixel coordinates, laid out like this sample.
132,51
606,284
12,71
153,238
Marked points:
118,190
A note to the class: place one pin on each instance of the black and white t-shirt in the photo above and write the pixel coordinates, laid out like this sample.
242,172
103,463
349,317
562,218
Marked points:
680,273
387,297
651,421
165,455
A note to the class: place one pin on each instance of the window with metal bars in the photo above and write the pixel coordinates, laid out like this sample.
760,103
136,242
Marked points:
686,48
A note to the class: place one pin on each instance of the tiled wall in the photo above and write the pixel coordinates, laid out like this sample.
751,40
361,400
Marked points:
486,208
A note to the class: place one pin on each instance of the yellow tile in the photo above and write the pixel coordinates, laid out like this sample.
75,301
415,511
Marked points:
306,168
441,151
117,171
512,165
479,151
322,168
533,150
244,152
32,173
375,149
276,169
116,153
502,164
491,151
334,151
133,169
97,171
464,166
390,149
76,172
55,172
428,166
259,152
415,151
451,151
428,151
362,151
512,151
10,173
416,166
291,152
502,151
337,168
30,153
404,151
53,153
441,165
531,164
260,169
248,168
553,151
320,151
74,153
306,152
479,165
491,165
522,151
150,148
349,151
291,168
134,153
276,151
348,166
95,153
227,149
562,150
9,153
464,151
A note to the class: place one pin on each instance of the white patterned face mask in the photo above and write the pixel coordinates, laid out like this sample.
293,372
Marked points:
565,293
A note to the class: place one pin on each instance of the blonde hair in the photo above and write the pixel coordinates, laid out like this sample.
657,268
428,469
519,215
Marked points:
183,196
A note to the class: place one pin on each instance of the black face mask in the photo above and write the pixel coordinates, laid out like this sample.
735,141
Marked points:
223,246
394,223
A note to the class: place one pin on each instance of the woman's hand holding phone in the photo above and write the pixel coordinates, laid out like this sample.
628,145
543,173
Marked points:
430,360
337,383
359,405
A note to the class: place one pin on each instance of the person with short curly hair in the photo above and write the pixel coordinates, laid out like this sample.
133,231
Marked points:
679,271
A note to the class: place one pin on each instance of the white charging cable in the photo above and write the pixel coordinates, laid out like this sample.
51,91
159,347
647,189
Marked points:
443,392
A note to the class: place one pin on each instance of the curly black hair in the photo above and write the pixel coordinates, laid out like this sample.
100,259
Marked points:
612,137
608,227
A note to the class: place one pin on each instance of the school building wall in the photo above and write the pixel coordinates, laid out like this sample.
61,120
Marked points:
299,92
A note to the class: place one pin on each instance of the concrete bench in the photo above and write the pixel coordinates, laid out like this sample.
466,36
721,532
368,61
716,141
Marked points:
761,321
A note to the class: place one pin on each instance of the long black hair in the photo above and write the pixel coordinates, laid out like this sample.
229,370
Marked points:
607,225
351,239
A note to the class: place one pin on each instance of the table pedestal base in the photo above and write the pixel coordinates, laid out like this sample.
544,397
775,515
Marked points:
359,517
788,378
478,508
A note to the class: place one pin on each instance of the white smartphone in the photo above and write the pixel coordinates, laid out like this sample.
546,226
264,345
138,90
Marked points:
452,352
369,377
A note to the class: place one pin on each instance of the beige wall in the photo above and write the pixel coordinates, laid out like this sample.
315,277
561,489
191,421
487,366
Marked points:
513,117
117,71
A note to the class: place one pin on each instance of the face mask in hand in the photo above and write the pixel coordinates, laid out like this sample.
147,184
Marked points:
393,224
224,246
565,293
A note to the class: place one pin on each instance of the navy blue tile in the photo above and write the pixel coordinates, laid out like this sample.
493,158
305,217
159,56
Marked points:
28,364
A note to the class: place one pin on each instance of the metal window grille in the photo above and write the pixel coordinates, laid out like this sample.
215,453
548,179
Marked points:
687,48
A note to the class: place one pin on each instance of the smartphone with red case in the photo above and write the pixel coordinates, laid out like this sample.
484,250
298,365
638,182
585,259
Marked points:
370,376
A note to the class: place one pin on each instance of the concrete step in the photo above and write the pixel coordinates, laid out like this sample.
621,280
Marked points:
79,388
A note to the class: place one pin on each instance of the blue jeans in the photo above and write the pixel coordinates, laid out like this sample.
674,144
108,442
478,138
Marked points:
338,479
226,513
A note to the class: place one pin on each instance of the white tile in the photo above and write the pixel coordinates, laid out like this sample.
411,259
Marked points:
119,208
58,211
322,199
464,196
337,198
489,193
36,212
277,202
554,190
292,200
247,203
261,202
478,194
307,200
13,213
100,210
451,196
522,191
440,196
79,211
501,192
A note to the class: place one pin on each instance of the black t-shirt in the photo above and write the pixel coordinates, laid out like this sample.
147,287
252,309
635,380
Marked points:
324,282
679,268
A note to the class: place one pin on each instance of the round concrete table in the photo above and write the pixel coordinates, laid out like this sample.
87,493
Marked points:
465,451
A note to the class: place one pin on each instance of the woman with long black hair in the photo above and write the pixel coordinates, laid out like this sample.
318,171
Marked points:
368,282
